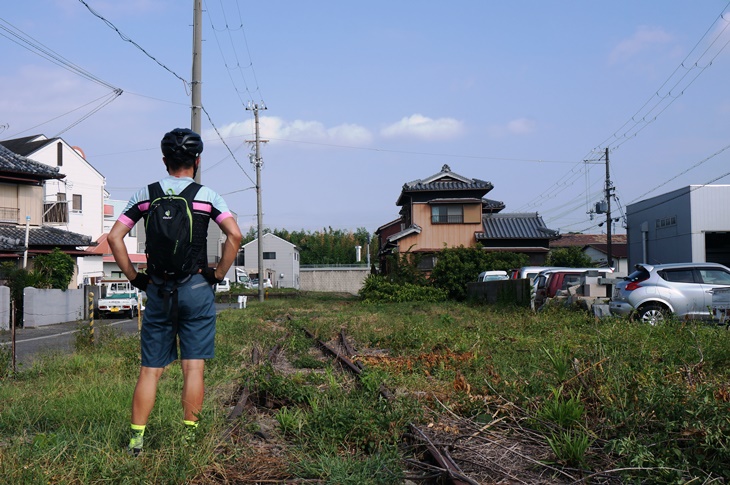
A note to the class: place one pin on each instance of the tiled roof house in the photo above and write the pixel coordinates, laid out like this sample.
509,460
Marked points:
21,206
450,210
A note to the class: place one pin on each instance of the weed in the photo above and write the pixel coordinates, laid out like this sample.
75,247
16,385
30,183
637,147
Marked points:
6,361
570,446
291,420
85,334
565,413
560,362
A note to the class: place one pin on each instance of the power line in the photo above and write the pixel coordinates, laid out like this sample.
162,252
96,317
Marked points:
226,145
27,42
641,119
106,99
683,172
127,39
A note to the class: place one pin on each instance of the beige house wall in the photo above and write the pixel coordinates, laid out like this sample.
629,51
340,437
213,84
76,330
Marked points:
436,236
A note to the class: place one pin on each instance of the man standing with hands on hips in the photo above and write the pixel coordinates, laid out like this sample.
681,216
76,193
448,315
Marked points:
180,297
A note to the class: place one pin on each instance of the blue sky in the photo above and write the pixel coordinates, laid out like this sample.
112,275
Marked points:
363,97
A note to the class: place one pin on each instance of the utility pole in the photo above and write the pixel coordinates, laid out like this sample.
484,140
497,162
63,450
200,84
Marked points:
609,193
196,84
258,161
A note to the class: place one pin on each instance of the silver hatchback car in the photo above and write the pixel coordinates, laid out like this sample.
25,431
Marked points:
684,289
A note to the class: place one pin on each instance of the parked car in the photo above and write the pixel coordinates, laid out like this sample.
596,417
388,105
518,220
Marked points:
548,282
255,283
529,272
652,292
224,285
492,276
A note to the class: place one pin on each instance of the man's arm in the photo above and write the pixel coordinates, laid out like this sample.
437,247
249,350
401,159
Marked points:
230,228
119,250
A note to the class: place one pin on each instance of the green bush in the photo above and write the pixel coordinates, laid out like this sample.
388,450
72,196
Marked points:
458,266
378,289
570,257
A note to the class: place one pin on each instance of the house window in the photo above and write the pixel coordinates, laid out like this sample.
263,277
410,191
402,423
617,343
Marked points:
269,255
447,214
59,153
426,262
77,206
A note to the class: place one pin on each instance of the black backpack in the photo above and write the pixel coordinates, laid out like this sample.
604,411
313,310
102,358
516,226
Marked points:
169,228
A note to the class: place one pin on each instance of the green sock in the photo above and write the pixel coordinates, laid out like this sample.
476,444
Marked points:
190,428
137,439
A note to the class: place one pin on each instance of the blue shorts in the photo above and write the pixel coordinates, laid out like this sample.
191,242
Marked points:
195,328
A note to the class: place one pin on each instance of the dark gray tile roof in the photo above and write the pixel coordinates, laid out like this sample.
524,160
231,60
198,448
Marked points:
515,226
11,162
492,205
13,237
26,145
447,180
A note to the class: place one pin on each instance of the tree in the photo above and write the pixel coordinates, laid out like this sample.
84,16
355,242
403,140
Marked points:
569,257
328,246
53,270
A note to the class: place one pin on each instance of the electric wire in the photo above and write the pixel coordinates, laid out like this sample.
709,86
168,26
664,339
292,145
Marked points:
681,193
127,39
226,145
710,157
33,45
569,179
111,97
116,94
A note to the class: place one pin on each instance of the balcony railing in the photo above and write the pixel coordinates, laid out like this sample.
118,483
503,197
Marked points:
55,212
9,214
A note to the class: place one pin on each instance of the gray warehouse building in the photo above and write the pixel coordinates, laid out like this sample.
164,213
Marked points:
691,224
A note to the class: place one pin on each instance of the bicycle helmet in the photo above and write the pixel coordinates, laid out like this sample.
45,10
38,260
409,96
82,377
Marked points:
181,143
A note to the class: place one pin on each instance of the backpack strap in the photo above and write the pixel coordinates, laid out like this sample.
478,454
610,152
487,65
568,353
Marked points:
155,191
189,192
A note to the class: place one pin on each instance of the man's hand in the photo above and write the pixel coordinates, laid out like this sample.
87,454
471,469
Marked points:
141,281
209,275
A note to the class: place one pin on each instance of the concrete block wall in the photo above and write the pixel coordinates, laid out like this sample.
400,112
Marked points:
46,307
4,308
334,280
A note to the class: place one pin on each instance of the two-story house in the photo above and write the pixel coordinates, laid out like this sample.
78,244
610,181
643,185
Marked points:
22,212
76,201
281,260
450,210
73,203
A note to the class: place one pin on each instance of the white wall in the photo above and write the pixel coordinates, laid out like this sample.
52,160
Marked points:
81,179
284,270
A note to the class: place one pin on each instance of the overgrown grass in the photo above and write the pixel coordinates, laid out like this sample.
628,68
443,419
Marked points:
654,398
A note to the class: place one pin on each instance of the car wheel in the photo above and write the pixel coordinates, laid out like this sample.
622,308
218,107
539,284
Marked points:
653,314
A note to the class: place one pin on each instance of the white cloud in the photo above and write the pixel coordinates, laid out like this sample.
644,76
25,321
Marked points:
643,39
519,126
273,128
424,128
